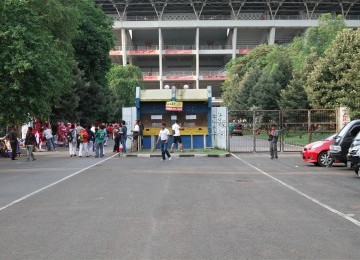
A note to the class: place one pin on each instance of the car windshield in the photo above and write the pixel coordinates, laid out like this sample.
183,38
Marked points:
357,137
344,130
331,137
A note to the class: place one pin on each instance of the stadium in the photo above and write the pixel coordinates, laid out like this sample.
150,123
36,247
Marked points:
187,43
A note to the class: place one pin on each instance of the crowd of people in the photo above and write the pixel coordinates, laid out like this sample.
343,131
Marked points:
83,141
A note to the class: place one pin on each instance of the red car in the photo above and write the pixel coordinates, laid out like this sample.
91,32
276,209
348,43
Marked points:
317,152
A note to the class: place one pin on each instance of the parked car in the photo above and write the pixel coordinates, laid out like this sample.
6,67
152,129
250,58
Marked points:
317,152
235,129
342,141
353,156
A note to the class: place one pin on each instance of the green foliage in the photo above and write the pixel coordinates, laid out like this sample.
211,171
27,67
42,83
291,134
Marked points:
335,80
123,81
92,45
256,79
35,64
319,38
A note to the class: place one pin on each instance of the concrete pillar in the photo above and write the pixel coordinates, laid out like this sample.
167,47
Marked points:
271,38
123,46
197,57
234,43
160,58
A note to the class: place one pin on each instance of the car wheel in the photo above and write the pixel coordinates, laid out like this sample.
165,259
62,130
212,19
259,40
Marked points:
324,159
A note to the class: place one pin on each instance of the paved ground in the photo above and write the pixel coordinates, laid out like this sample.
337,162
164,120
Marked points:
243,207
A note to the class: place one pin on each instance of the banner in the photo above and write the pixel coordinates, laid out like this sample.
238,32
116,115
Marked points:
114,52
174,106
214,77
143,52
150,78
180,77
244,51
178,52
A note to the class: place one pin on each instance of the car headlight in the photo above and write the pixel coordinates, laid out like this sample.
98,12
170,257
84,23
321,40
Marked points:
335,148
357,152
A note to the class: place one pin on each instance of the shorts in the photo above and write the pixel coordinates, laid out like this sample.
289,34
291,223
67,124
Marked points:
177,139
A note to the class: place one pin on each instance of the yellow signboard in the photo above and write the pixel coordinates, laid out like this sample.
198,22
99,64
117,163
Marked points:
174,106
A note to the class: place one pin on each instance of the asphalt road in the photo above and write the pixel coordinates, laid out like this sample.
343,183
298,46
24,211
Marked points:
243,207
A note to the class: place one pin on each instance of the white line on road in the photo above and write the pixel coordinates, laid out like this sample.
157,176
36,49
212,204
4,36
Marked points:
341,214
54,183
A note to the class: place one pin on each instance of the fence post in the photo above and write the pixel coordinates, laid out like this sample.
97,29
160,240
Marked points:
309,126
254,131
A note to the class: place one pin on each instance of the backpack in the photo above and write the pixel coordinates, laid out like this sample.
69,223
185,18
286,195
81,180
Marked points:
69,136
80,137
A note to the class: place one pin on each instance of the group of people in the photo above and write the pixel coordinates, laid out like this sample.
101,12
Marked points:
164,136
88,140
30,143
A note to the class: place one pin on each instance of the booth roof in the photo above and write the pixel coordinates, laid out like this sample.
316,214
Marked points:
151,95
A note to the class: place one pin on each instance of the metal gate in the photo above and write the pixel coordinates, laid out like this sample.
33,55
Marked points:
248,129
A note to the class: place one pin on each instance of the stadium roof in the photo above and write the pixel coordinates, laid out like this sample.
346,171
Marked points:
233,8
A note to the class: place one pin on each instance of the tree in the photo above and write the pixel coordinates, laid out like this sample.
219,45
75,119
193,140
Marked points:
35,63
319,38
237,70
92,44
305,52
274,78
335,80
123,81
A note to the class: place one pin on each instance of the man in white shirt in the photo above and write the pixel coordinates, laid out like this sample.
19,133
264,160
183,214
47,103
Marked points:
177,137
164,138
136,133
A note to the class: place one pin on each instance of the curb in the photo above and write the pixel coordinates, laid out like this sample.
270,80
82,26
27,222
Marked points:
180,155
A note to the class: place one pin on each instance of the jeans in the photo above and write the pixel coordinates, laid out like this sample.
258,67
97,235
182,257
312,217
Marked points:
273,150
50,144
90,148
123,143
116,144
164,150
99,149
29,151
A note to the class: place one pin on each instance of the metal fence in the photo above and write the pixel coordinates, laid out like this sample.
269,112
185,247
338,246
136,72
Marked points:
298,128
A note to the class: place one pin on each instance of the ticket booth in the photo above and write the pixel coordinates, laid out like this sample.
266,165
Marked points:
191,107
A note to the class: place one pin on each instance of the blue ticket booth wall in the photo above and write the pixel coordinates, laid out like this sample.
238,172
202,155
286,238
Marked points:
194,120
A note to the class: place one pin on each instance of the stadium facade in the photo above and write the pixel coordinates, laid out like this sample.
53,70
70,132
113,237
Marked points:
187,43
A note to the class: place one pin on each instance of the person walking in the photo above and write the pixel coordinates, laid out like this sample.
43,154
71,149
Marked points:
30,144
71,138
164,138
99,142
123,136
273,139
176,137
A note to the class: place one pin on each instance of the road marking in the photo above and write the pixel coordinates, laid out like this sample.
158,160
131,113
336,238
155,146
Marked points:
54,183
341,214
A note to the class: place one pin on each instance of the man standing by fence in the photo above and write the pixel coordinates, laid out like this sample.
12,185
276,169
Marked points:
273,138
